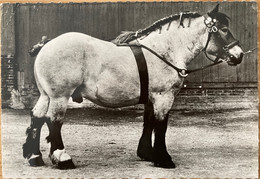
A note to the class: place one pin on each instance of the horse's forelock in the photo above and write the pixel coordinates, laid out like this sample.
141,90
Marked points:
222,18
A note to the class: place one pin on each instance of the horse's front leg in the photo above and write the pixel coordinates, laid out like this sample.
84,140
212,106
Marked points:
162,104
56,112
145,149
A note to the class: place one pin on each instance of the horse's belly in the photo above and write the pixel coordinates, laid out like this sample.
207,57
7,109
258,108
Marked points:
114,90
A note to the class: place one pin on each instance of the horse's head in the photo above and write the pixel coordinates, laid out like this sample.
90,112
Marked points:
221,42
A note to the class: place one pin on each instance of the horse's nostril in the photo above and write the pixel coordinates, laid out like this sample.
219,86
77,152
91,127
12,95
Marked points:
236,60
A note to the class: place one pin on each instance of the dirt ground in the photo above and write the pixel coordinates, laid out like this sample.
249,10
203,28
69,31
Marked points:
103,143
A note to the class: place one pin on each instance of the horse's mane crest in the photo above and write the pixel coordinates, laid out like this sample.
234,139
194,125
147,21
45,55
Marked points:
127,36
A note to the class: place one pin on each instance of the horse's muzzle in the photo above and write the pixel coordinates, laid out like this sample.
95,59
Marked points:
232,60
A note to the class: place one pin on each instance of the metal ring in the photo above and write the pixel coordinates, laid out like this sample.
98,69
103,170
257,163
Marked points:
209,30
183,73
214,29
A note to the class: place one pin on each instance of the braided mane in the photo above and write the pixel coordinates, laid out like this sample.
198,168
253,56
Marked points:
127,36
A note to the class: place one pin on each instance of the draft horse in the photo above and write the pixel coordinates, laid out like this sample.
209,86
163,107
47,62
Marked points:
75,64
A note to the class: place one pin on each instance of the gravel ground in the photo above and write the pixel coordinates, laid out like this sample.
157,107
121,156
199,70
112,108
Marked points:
102,143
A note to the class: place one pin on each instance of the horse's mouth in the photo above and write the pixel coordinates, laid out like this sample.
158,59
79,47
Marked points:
232,61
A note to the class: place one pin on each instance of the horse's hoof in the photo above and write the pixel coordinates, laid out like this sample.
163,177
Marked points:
168,164
66,165
145,155
145,150
36,161
62,160
163,160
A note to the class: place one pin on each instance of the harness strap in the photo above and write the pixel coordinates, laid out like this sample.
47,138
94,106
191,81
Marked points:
204,67
181,72
143,73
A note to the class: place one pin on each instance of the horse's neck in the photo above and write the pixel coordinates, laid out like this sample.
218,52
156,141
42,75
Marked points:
179,44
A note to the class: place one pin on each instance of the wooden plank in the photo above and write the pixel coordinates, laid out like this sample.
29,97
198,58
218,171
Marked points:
126,17
152,10
76,14
197,62
112,21
97,32
87,18
253,56
8,30
249,40
140,18
22,21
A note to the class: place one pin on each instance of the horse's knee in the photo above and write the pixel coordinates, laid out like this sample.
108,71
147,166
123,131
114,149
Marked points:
162,104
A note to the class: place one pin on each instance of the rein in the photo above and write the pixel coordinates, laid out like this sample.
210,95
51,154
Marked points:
182,71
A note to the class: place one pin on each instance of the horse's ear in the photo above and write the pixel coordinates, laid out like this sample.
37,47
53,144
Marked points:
214,11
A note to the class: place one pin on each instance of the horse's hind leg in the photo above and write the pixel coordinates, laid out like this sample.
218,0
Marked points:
31,148
56,113
145,149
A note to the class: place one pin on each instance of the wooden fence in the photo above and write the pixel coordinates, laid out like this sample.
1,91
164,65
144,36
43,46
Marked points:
106,20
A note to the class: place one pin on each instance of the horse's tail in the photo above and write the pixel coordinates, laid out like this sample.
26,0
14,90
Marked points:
34,50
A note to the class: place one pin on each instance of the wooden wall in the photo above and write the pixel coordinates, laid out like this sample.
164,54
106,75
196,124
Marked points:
106,20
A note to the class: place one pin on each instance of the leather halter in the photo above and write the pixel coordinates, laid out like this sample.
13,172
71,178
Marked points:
212,28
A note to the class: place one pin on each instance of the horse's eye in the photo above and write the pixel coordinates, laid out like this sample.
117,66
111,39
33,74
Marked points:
224,30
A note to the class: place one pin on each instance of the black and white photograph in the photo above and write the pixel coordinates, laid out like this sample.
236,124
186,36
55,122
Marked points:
163,89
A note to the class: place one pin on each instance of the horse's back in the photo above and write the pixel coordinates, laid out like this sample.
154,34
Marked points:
76,59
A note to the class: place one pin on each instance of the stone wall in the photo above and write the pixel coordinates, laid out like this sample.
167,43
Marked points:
222,98
7,78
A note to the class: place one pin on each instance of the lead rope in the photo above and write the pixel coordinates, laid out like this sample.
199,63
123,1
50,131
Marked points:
250,51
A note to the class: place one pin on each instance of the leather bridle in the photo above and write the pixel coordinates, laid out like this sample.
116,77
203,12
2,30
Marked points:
212,28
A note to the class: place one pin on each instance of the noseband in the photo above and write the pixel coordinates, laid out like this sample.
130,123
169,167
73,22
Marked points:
212,28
